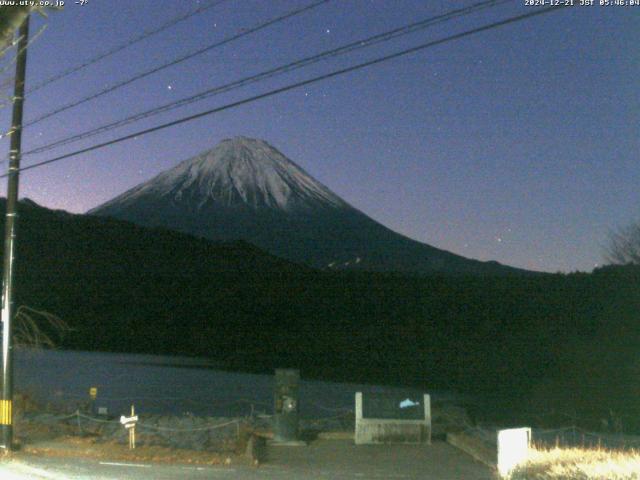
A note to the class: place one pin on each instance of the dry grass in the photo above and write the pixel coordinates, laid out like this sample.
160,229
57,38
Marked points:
579,464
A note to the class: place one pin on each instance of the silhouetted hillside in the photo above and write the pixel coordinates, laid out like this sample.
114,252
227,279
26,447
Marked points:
549,338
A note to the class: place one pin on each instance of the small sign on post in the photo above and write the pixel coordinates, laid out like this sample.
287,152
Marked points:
130,424
93,394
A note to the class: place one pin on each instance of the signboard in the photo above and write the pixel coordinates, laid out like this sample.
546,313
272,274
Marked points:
393,407
128,422
392,418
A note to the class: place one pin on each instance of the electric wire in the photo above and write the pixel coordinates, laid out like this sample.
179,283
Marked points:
300,63
176,61
293,86
122,46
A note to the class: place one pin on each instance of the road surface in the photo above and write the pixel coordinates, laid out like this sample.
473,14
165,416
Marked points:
328,460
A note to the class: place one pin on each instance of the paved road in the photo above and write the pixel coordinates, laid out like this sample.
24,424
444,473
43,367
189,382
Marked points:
328,460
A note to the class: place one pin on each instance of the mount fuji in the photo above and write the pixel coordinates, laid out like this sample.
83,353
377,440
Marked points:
245,189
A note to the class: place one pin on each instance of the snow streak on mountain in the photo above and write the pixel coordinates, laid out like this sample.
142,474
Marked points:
245,189
238,173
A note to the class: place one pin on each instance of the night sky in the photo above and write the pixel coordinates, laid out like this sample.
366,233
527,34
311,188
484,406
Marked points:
518,145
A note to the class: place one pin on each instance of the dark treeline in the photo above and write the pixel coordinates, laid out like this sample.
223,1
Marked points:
564,343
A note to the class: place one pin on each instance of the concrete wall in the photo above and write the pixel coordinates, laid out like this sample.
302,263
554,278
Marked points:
375,430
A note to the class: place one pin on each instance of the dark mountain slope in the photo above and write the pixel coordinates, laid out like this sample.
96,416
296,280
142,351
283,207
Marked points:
246,189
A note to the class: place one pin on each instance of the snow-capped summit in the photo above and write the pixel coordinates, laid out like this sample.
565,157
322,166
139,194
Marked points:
238,172
245,189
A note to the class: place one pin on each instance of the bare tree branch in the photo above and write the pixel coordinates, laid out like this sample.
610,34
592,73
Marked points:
11,17
624,246
38,329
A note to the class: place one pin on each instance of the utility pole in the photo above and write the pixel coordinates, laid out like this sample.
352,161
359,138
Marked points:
6,396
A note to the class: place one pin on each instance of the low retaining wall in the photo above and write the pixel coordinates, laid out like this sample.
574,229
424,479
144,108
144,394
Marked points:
504,451
477,448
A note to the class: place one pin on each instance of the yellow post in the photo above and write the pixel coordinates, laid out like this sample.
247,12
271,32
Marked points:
5,412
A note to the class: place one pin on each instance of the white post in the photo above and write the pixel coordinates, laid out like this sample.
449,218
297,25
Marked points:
513,448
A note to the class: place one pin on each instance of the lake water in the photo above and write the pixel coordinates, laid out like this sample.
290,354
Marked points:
171,385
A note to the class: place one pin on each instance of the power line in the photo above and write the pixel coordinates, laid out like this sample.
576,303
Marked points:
348,48
178,60
297,85
122,46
